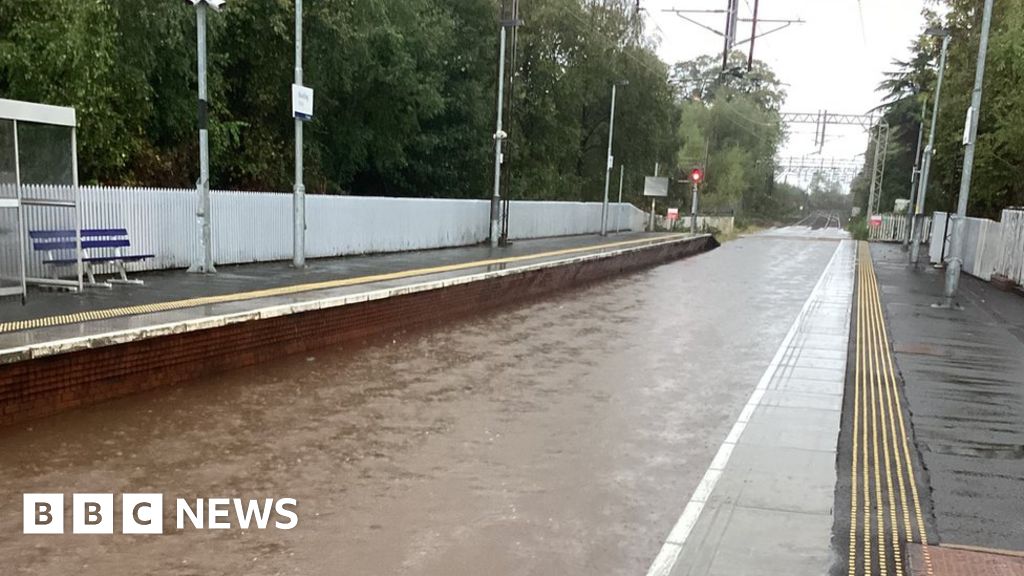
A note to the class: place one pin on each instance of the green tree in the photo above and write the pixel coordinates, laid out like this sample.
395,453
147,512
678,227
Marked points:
730,125
405,92
63,52
1000,148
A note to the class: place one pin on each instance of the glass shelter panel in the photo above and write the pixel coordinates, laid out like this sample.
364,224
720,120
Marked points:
44,154
10,245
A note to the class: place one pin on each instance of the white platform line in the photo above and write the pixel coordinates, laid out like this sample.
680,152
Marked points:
666,559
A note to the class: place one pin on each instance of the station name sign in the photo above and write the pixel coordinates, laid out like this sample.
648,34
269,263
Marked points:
302,102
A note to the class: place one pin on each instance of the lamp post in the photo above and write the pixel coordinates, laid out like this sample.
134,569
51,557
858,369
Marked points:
956,247
499,134
611,159
929,150
915,175
299,195
202,263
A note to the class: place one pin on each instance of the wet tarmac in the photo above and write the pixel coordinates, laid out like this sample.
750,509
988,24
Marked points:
561,437
171,285
882,505
964,373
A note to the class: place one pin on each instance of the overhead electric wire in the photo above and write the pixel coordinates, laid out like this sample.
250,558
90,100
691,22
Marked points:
863,28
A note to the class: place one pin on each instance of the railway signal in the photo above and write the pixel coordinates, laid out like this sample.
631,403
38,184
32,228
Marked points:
696,178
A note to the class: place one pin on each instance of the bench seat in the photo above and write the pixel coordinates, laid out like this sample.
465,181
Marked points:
100,259
60,247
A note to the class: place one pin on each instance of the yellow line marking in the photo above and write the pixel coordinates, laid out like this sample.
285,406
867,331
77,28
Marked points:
324,285
868,566
875,358
875,362
878,381
856,427
883,558
890,391
922,530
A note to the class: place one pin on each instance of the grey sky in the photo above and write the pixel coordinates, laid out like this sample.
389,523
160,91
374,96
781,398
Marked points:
834,61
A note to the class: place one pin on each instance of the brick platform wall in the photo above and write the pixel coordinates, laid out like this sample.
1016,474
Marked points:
46,386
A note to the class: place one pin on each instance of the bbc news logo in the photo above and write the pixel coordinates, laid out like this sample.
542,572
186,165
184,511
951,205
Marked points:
144,514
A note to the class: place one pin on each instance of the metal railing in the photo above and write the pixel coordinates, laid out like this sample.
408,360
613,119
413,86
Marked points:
39,208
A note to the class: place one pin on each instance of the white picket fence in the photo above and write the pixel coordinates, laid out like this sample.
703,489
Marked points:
257,226
896,228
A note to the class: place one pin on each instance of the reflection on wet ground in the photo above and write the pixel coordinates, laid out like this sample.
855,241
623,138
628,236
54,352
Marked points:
964,373
561,437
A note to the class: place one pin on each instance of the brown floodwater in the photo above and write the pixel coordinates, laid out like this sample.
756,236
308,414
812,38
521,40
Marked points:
559,437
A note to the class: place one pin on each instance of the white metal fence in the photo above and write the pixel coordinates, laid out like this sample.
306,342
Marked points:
257,226
1010,262
982,244
938,243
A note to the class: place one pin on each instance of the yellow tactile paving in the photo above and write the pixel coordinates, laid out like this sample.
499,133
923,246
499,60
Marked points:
298,288
881,468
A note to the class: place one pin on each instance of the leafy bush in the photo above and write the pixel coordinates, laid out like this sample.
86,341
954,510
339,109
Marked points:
858,228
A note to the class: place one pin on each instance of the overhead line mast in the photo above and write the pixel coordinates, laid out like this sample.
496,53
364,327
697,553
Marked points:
732,22
877,128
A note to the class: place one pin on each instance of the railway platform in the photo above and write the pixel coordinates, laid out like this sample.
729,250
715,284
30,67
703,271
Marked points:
63,350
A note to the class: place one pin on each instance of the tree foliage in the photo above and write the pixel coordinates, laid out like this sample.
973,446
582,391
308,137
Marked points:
999,152
405,92
730,125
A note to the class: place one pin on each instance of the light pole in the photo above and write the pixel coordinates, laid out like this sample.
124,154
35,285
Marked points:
956,257
929,151
299,196
203,263
611,159
499,134
915,174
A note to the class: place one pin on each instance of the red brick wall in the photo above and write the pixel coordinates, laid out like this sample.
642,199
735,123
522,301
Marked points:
45,386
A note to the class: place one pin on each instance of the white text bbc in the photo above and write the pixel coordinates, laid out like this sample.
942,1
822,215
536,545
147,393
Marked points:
143,513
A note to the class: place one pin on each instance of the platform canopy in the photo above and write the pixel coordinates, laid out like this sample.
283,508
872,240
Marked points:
38,190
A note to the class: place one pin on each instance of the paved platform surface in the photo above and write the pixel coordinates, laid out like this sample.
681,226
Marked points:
964,375
764,506
946,561
174,296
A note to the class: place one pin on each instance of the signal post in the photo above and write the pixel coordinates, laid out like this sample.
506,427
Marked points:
696,177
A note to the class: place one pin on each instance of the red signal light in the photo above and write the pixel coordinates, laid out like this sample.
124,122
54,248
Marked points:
696,175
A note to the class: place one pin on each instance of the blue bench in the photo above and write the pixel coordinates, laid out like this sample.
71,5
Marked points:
99,246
